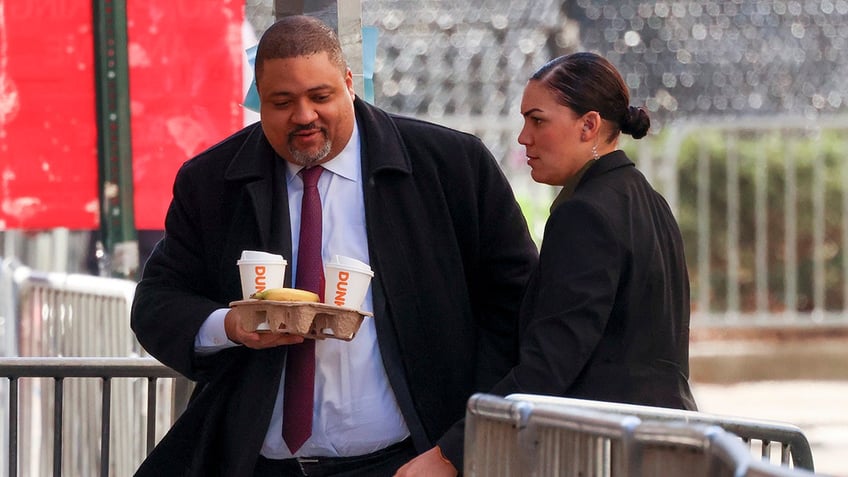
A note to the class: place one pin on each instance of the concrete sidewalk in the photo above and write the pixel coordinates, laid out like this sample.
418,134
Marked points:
819,408
793,374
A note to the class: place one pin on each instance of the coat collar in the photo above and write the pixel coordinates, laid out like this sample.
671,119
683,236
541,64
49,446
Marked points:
251,159
263,173
382,144
596,168
604,164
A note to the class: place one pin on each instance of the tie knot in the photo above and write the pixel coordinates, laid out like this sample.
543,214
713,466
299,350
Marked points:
310,176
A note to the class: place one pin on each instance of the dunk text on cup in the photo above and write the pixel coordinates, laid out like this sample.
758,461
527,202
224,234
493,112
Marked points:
260,270
346,282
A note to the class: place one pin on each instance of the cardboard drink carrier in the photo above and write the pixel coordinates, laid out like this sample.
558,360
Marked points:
308,319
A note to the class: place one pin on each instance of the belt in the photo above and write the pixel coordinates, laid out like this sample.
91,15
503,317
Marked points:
318,466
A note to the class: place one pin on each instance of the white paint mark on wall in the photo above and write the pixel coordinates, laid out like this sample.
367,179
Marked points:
92,207
9,102
187,134
137,56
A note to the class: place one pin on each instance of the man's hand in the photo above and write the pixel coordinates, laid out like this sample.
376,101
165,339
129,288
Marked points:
429,464
252,339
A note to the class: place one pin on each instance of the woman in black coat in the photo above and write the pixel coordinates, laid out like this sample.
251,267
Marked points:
606,313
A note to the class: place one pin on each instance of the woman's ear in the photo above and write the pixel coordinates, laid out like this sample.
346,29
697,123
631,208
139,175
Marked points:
591,125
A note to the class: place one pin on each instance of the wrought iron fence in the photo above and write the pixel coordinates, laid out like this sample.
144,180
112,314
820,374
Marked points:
70,316
73,433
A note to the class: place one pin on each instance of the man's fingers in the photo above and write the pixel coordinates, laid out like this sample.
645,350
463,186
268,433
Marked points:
269,340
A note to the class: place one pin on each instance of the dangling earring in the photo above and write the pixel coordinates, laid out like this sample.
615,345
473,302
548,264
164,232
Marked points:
595,155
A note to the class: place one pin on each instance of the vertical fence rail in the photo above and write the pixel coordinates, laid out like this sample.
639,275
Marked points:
790,270
819,253
732,214
761,234
58,406
703,227
12,438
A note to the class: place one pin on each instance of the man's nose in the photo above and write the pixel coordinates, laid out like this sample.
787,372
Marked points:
304,113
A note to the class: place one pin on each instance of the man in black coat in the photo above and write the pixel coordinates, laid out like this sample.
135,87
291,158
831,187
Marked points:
440,227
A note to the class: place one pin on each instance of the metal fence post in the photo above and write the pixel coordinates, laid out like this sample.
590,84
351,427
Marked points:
117,217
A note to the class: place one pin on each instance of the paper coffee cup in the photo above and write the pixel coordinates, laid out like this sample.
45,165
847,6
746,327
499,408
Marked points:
346,282
260,270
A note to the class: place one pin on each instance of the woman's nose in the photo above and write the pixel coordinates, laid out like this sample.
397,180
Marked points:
523,138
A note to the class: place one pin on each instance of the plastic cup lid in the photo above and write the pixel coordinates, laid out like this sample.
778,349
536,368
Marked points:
255,256
350,263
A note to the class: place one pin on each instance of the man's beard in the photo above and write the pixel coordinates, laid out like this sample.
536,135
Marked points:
306,159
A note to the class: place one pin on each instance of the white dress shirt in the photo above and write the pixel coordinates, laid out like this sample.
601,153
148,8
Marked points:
355,410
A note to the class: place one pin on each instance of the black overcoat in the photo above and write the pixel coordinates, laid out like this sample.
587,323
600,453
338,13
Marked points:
606,314
449,247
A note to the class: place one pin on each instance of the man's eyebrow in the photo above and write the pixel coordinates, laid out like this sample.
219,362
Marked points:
314,89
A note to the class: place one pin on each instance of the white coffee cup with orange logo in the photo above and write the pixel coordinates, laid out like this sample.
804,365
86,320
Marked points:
260,270
346,282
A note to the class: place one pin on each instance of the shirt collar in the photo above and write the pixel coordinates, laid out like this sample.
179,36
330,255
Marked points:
346,164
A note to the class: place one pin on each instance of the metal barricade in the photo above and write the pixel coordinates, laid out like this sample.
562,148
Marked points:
107,374
69,314
776,442
508,438
518,437
8,306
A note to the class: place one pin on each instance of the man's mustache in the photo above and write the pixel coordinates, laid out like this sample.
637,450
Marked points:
308,127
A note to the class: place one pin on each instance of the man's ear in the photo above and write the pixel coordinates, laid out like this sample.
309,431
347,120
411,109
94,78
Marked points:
349,83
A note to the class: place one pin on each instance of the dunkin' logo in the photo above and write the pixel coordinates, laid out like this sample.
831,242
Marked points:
341,288
260,280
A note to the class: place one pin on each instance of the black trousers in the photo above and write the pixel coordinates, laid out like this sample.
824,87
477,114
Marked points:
382,463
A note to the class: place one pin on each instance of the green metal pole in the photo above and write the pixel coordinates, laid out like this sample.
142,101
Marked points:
117,220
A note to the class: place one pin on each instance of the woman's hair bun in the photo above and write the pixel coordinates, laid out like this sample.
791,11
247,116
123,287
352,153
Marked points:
636,122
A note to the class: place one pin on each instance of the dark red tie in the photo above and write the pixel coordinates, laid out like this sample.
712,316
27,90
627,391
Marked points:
299,383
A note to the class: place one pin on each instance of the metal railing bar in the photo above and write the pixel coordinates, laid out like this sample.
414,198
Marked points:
58,390
73,367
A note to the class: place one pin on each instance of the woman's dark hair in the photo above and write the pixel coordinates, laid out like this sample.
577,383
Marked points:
588,82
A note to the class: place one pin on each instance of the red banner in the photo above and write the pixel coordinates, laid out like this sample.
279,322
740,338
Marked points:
185,62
